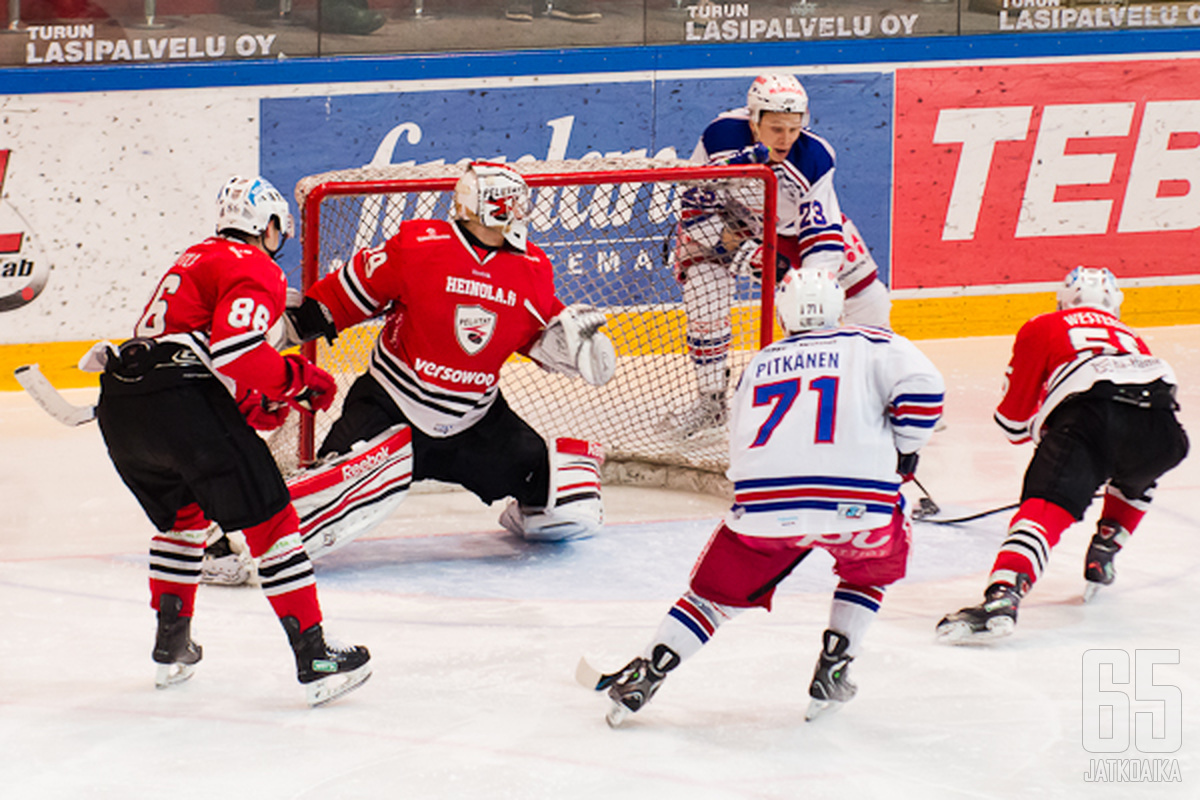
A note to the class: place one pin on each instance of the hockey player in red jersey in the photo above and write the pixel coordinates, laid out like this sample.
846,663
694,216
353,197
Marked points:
1100,407
178,408
857,401
459,298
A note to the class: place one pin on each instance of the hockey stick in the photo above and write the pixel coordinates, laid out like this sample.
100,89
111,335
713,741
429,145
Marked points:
968,517
926,507
45,395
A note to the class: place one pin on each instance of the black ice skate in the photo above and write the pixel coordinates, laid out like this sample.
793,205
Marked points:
328,670
174,651
632,687
831,686
995,617
1098,567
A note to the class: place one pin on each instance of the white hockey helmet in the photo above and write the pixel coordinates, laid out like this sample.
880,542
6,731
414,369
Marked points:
248,204
1094,287
497,196
809,299
777,92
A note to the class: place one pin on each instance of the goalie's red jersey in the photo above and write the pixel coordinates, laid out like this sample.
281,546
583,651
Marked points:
455,313
1065,353
220,299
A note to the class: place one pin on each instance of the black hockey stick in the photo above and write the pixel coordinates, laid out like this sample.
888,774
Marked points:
926,507
968,517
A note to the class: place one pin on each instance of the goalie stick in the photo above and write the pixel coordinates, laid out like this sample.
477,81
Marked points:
45,395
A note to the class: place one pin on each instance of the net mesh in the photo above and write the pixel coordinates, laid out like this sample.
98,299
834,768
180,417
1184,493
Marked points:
609,226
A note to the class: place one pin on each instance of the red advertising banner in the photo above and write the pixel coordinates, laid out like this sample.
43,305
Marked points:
1014,174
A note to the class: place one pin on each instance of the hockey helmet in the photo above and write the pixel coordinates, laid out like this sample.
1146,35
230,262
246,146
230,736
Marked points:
781,93
496,196
1094,287
809,299
247,205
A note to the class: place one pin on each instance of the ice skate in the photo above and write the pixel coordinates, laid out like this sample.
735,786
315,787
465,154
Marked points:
224,566
701,423
1098,567
174,651
632,687
328,670
830,687
995,617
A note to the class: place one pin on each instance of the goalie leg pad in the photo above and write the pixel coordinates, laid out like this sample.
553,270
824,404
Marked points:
575,510
341,499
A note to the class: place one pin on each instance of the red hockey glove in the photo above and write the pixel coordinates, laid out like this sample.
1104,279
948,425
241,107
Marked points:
260,413
308,386
906,466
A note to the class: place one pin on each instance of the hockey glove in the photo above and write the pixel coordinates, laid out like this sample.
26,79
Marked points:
307,320
308,386
906,466
260,413
572,344
757,153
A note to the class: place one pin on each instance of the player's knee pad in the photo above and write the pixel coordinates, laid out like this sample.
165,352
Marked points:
343,498
575,509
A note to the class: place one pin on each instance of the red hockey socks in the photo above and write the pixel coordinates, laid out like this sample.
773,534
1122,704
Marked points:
284,568
1034,531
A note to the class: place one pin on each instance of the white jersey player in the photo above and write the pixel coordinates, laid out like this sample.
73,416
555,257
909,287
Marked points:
715,246
826,425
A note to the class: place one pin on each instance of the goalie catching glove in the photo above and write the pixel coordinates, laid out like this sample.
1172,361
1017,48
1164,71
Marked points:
573,344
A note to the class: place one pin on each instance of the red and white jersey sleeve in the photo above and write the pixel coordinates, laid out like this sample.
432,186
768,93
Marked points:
454,315
219,299
815,424
1064,353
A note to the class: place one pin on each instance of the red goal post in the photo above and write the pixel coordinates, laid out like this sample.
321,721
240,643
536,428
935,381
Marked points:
608,225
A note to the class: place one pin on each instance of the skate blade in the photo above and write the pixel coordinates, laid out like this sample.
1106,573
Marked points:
1090,589
958,632
818,707
330,688
171,674
617,713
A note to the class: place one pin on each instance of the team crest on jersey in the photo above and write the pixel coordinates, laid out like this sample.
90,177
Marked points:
473,327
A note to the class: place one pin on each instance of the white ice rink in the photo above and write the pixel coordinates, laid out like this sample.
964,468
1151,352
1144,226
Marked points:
475,636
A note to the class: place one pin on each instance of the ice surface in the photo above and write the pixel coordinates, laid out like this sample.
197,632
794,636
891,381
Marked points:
475,636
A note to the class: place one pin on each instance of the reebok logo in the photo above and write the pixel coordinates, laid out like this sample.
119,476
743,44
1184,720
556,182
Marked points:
364,465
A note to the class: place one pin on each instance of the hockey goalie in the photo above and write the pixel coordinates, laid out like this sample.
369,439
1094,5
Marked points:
458,298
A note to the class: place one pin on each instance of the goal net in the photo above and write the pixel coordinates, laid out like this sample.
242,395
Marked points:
609,226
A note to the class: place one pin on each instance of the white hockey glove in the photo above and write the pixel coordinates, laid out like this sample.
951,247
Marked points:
573,344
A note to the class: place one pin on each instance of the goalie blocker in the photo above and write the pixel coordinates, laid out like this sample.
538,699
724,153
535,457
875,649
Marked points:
575,509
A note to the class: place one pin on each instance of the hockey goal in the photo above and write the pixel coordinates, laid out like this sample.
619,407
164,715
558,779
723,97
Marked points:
609,227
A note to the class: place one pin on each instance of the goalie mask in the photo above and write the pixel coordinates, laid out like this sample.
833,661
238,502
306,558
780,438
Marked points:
497,197
807,300
247,205
1093,287
781,93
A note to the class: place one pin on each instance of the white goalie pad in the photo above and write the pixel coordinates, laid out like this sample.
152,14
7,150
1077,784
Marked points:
341,499
575,510
573,344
